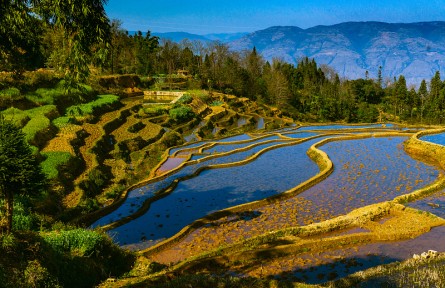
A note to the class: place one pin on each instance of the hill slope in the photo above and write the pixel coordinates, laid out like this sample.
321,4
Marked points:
415,50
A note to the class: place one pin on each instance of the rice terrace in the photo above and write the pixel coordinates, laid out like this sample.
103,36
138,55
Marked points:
281,157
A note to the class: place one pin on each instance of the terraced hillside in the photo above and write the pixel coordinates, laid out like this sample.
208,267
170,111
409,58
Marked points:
92,151
255,206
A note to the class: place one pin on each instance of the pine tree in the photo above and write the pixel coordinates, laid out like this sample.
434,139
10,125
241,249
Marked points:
19,169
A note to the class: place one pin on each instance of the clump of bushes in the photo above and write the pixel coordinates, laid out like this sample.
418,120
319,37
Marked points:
152,110
185,99
91,107
216,103
80,242
181,113
171,139
136,127
53,160
16,116
39,129
11,92
98,178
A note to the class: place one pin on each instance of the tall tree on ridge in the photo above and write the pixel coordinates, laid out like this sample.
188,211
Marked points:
19,170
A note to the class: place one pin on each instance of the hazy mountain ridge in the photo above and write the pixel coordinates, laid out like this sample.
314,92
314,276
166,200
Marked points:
179,36
415,50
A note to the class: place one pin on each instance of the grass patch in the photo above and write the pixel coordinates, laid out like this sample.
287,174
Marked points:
49,96
181,114
34,126
216,103
90,107
53,161
11,93
16,116
80,242
153,110
63,121
185,99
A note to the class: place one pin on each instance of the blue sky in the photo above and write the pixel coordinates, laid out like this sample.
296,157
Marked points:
228,16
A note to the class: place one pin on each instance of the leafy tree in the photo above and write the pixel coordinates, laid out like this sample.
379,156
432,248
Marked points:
19,34
84,24
19,169
86,29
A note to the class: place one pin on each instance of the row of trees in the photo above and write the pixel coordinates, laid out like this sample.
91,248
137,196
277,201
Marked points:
306,91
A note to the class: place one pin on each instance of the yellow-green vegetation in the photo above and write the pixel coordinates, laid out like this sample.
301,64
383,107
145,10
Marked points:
426,151
35,123
90,108
427,272
53,95
60,258
53,161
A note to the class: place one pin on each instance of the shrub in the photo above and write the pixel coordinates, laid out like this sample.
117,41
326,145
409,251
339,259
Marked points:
40,78
136,127
63,121
185,99
17,116
45,96
216,103
35,125
97,180
49,111
12,93
79,242
91,107
181,114
53,161
153,110
35,275
171,139
7,241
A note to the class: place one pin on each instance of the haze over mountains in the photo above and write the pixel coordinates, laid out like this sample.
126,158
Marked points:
415,50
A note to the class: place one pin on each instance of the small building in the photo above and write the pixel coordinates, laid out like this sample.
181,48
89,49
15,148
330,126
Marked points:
184,73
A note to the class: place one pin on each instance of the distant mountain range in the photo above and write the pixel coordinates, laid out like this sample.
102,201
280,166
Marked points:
415,50
179,36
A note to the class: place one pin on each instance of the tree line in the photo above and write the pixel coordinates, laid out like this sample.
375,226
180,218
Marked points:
47,33
305,91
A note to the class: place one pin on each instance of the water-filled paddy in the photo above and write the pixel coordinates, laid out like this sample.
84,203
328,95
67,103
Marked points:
320,268
273,172
366,171
435,138
339,126
226,146
138,196
434,204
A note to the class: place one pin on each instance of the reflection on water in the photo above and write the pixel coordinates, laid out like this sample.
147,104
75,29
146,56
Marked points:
259,123
241,121
138,196
434,204
338,126
366,171
218,189
170,164
435,138
226,147
323,267
234,138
